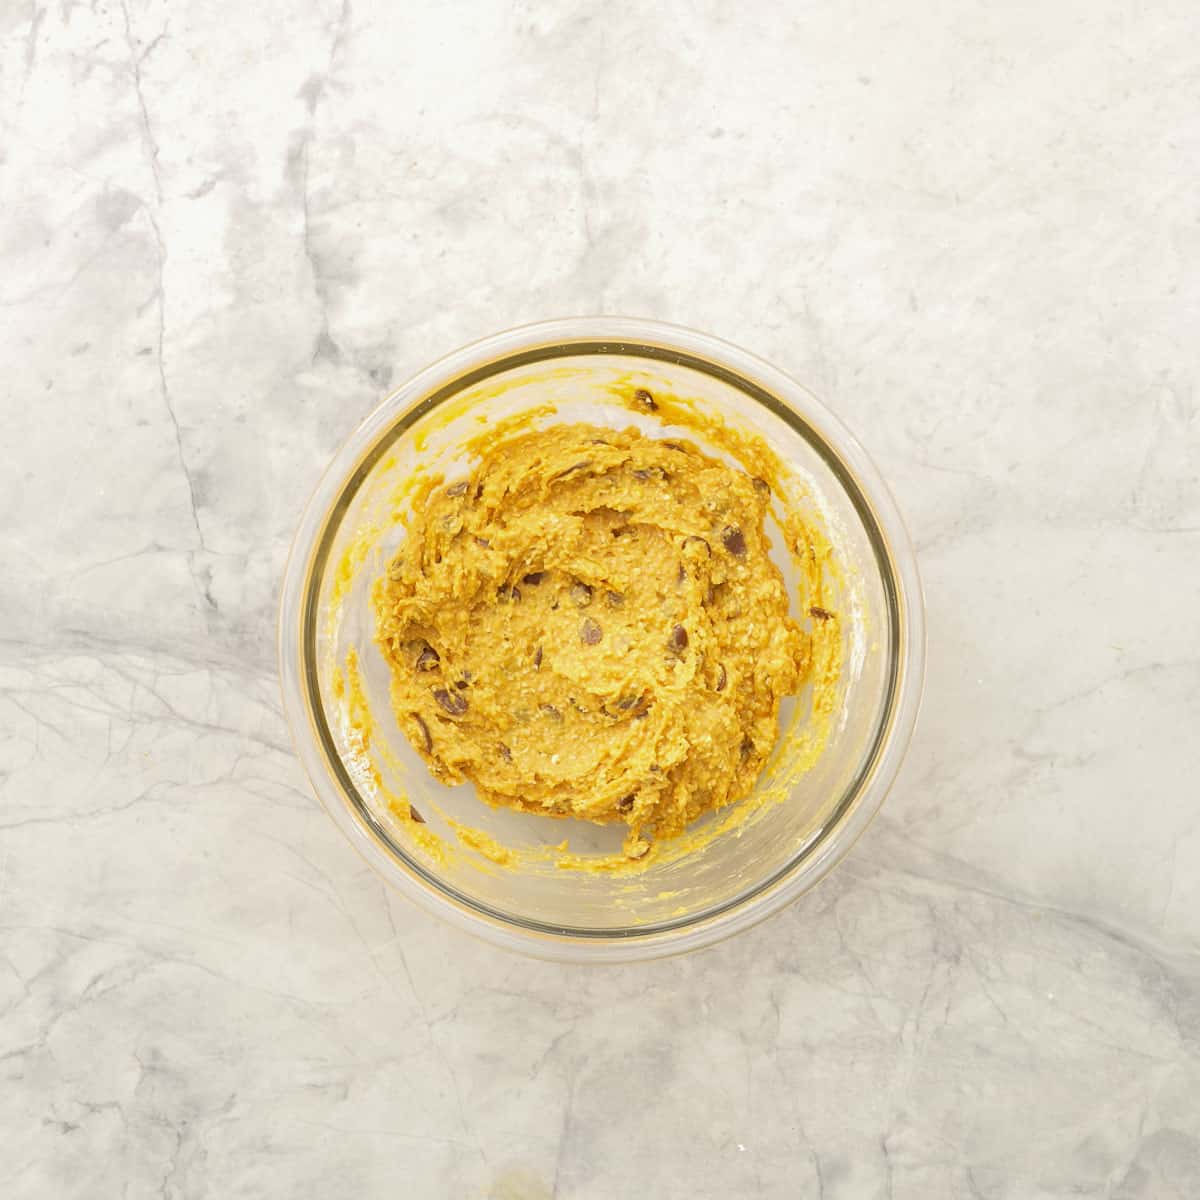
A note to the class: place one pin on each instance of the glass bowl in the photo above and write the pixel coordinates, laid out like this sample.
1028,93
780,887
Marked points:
365,771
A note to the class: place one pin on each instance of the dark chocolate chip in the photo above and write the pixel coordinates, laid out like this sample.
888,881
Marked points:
614,599
428,659
416,816
734,541
747,747
722,677
678,640
457,489
761,486
505,752
533,578
645,399
581,594
425,734
590,632
822,614
511,594
537,659
452,702
626,803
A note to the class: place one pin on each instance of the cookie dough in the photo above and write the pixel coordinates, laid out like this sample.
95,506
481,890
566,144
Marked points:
588,625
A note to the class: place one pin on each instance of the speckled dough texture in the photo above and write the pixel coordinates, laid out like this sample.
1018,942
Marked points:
590,625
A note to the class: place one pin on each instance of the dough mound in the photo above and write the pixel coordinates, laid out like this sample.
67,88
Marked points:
589,626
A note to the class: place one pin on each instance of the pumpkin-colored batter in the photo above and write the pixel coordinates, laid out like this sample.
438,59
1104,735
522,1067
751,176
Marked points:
589,625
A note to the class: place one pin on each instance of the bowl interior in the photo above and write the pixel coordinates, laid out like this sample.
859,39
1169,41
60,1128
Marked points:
797,801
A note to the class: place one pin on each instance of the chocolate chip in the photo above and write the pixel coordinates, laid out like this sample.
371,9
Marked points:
457,489
642,474
641,714
614,599
425,734
590,632
428,658
416,816
537,659
678,640
511,594
681,575
747,747
505,752
452,702
551,711
722,678
483,542
533,578
627,702
626,803
645,399
822,614
581,594
733,541
462,684
761,486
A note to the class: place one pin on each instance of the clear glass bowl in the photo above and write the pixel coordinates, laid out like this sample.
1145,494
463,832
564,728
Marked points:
347,535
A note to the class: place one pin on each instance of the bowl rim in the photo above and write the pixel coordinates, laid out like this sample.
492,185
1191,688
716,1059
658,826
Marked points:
785,398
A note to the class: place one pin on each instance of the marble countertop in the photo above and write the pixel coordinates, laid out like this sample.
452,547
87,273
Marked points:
228,228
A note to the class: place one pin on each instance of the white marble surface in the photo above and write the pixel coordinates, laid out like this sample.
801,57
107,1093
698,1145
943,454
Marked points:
227,227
